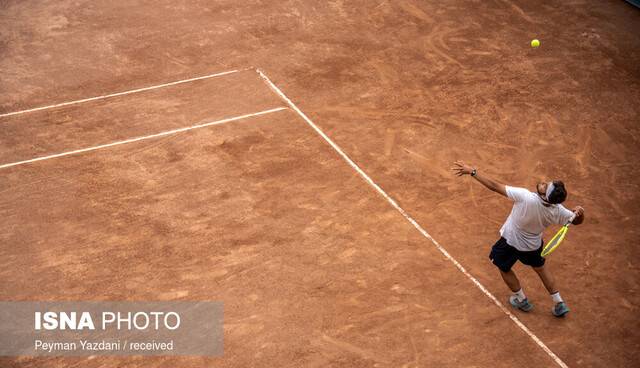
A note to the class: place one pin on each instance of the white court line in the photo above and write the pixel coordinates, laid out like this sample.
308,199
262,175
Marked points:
119,93
413,222
168,132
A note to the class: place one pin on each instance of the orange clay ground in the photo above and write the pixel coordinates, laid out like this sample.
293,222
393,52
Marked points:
315,268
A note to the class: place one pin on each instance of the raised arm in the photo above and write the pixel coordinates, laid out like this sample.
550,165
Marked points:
460,169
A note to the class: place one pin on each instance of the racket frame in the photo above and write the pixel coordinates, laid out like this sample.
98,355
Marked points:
556,240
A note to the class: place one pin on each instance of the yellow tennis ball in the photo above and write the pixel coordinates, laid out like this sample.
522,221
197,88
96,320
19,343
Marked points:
535,43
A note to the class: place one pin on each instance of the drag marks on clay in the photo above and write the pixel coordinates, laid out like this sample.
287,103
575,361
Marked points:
436,41
415,11
389,141
363,353
427,163
519,10
584,155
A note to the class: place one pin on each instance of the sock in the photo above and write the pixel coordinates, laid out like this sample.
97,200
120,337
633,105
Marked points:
520,295
556,297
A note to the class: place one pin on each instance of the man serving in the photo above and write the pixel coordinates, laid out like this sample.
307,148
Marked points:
521,234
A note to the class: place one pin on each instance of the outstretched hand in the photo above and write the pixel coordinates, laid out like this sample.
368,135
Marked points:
460,168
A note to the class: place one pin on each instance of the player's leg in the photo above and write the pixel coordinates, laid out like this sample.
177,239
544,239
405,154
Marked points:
560,308
546,278
535,260
511,280
504,257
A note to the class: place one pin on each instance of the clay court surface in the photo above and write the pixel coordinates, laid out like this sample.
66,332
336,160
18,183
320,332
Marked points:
315,267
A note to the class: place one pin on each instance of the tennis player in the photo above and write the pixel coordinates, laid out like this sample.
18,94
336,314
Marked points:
521,234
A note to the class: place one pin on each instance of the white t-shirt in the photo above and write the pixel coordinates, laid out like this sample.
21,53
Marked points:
529,217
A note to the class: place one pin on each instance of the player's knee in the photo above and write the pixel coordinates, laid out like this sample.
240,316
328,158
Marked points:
539,269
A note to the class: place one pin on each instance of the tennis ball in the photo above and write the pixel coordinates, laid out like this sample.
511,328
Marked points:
535,43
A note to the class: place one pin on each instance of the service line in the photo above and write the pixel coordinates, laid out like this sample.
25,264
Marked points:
137,139
413,222
119,93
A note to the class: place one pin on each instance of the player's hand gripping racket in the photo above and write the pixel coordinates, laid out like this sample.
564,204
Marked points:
556,240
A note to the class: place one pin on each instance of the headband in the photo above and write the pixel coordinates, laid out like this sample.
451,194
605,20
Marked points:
550,189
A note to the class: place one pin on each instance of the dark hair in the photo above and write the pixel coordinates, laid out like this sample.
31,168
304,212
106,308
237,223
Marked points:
559,193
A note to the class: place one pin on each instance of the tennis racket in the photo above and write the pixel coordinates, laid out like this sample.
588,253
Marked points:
556,240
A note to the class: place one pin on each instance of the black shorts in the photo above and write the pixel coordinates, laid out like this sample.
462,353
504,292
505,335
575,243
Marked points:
505,256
